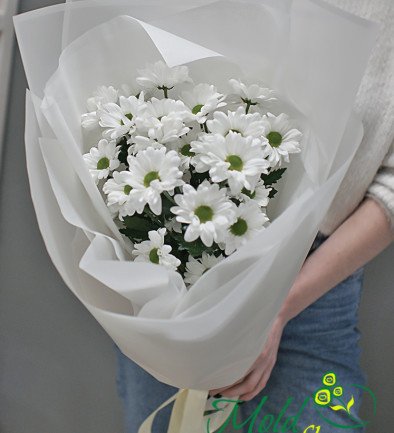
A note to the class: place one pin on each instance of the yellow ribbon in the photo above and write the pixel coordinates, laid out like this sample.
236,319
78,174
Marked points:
187,415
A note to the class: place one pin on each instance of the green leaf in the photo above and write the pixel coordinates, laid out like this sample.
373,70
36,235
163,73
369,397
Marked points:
198,178
123,154
273,176
350,404
134,235
139,223
195,248
338,407
272,193
166,204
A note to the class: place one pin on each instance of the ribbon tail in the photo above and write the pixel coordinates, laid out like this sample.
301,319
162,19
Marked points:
187,415
188,412
146,426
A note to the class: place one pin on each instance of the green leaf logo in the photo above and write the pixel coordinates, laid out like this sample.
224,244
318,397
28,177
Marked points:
350,404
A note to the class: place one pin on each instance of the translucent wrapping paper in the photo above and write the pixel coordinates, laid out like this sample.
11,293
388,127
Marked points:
208,336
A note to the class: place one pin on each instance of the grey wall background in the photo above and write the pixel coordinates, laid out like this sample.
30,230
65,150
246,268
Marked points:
57,368
57,365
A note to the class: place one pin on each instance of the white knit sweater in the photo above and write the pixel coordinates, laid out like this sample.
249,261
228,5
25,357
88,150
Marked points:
371,172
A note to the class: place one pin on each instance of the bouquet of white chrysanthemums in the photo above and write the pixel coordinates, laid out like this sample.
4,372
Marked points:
187,173
162,170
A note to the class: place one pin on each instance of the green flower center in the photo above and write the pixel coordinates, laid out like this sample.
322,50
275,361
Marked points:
185,150
235,162
204,213
150,177
239,228
250,194
103,163
196,109
129,116
274,138
154,256
127,189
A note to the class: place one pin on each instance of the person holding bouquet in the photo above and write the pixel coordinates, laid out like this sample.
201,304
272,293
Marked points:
316,328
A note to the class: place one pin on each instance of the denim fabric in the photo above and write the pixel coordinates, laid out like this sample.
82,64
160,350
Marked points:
324,337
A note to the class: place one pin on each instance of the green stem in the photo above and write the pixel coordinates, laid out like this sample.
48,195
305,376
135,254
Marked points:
248,103
169,197
344,405
153,217
340,401
165,90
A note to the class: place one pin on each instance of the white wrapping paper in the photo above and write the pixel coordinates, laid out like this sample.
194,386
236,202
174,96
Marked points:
314,55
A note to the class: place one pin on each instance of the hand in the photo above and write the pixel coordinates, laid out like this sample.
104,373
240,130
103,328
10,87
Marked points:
257,376
356,241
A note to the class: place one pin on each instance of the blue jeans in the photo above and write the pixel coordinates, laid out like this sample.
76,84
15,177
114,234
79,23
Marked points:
322,338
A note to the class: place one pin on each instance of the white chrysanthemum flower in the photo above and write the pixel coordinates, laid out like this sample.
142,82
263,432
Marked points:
237,121
207,211
169,130
160,76
195,268
153,172
155,251
126,90
90,120
173,225
114,120
156,109
253,94
101,160
182,146
202,100
239,160
250,220
119,192
260,194
280,138
103,95
138,143
119,120
163,120
185,154
187,176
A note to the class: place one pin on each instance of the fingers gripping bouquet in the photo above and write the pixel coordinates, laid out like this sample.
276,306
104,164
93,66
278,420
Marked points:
188,180
157,134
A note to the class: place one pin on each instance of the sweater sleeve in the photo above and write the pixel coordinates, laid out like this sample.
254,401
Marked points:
382,187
